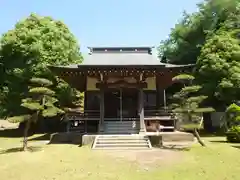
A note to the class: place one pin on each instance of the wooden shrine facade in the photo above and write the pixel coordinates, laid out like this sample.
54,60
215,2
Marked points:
119,92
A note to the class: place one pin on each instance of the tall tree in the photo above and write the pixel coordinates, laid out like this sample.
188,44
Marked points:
218,66
39,101
189,35
27,50
189,102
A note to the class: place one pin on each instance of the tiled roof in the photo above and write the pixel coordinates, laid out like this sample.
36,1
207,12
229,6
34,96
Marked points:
121,56
121,59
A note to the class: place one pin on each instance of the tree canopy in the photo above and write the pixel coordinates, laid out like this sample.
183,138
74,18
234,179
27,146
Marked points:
209,38
189,102
39,101
27,50
189,35
218,66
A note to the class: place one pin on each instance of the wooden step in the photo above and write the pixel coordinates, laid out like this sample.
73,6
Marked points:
167,127
121,127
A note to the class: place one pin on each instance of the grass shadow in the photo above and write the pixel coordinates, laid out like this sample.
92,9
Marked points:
19,149
204,133
176,148
238,147
66,138
11,133
44,137
218,141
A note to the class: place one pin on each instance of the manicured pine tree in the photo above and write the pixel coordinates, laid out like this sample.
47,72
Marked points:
189,102
39,101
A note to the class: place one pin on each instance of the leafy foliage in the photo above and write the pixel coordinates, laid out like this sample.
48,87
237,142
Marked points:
183,78
41,90
69,97
17,119
26,51
41,81
189,35
40,99
39,102
233,123
188,105
188,101
233,115
219,63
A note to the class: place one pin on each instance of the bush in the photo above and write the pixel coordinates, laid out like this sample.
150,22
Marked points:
233,134
233,123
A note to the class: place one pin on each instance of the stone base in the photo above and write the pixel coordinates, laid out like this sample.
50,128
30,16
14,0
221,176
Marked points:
72,138
88,139
157,139
68,138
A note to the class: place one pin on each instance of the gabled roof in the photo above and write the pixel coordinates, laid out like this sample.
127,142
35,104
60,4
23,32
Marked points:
140,57
122,56
121,59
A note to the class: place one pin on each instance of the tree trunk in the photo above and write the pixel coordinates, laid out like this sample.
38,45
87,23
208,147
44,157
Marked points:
196,134
25,136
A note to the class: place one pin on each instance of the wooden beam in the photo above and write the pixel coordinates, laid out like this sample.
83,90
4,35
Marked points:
141,111
120,84
101,123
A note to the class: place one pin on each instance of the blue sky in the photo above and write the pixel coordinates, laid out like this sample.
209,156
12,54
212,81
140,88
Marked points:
104,22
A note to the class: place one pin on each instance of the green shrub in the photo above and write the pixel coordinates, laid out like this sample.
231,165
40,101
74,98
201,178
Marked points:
233,123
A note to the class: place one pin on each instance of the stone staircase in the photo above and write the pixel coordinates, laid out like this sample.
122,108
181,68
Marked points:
121,127
119,142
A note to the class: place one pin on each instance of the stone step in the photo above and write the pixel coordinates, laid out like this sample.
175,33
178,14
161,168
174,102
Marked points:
123,137
121,141
123,145
122,148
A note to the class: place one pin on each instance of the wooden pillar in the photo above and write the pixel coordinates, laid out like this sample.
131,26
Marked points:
160,93
141,111
164,99
85,126
68,125
101,123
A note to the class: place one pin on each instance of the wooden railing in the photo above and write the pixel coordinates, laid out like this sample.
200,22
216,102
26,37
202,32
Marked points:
95,115
86,115
158,112
80,121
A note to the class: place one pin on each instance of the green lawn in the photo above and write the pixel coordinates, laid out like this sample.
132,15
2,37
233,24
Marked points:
219,161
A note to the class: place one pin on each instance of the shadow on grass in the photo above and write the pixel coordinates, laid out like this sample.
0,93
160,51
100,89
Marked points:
44,137
66,138
217,141
11,133
204,133
238,147
18,149
175,148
